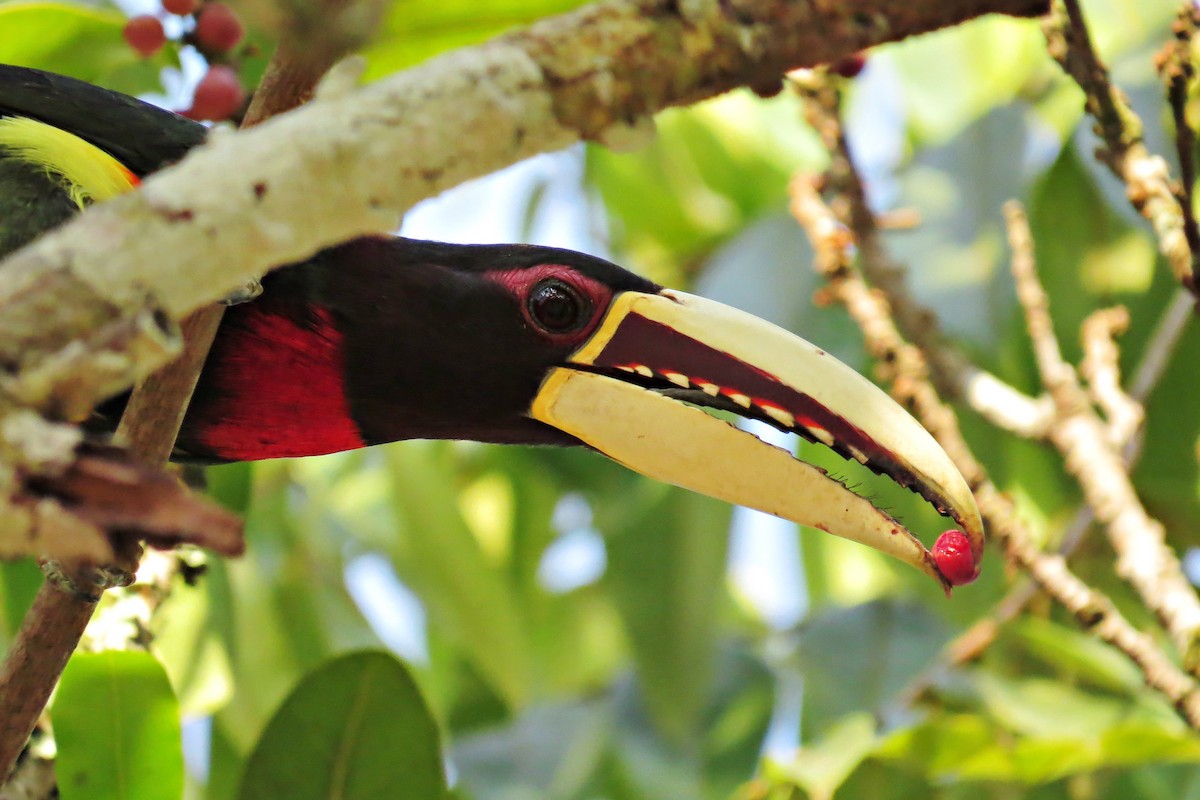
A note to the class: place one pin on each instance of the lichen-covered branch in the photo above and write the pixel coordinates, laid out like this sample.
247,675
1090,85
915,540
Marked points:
351,162
1101,368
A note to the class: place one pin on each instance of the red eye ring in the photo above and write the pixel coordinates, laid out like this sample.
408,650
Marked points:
557,307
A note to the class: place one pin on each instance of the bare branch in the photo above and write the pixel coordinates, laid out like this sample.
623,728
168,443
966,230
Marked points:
1093,610
1145,175
1177,70
1101,369
873,311
1139,540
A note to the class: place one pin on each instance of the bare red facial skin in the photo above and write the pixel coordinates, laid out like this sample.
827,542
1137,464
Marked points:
952,554
520,282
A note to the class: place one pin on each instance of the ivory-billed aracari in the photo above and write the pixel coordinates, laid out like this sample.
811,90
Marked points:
387,338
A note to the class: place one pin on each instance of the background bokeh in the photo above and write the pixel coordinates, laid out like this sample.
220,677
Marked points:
581,632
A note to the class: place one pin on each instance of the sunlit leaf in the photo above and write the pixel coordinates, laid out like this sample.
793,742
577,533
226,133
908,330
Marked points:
117,727
413,31
192,651
979,66
78,40
1137,742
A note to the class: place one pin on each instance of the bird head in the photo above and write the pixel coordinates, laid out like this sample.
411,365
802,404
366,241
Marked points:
520,344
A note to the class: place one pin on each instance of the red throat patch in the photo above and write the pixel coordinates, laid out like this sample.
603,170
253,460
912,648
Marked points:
273,388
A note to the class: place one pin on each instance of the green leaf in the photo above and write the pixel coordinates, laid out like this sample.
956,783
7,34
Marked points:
821,767
77,40
442,559
1045,708
978,68
231,485
117,727
1133,742
1071,650
19,583
413,31
941,746
356,727
666,559
189,645
1043,760
741,707
549,751
710,171
858,658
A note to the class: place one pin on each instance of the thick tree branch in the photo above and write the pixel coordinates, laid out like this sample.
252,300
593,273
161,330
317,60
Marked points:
350,165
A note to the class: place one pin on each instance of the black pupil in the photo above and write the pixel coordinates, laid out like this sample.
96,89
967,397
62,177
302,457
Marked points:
555,306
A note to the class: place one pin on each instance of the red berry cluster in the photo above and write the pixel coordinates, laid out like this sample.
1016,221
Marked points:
849,66
215,31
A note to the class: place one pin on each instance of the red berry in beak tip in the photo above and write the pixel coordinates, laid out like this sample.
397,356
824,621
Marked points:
954,559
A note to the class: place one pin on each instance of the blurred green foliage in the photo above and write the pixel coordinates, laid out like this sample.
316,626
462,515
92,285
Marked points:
661,678
116,725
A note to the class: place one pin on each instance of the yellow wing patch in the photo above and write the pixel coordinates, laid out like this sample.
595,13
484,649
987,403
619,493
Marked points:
89,174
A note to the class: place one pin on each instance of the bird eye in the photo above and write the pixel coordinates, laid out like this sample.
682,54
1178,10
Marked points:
557,307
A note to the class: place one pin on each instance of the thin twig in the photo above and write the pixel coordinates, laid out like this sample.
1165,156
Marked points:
873,311
1123,150
1177,70
1143,557
1101,368
1091,608
51,630
1057,375
994,399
